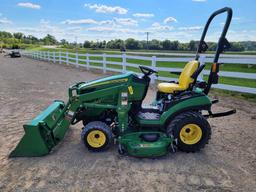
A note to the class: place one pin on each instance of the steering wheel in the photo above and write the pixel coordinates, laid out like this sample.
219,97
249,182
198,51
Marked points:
147,71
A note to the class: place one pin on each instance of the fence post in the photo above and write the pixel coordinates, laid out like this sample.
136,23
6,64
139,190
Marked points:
153,65
77,60
53,54
48,55
202,62
60,57
104,62
124,62
67,58
87,61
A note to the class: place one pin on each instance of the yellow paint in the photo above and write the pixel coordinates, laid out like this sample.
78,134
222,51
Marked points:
130,89
108,82
96,138
185,79
190,134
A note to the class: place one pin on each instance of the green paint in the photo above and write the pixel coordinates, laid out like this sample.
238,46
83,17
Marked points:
135,146
187,104
49,128
43,132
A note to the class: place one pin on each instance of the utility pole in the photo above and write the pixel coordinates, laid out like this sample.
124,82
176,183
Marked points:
97,45
76,43
147,38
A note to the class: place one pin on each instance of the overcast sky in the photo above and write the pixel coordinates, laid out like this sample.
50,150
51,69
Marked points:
181,20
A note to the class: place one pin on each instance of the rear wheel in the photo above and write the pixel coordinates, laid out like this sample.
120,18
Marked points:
97,136
191,131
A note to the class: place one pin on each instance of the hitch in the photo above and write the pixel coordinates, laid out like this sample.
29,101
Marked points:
221,114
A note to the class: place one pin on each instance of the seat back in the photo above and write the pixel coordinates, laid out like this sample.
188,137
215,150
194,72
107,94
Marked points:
185,78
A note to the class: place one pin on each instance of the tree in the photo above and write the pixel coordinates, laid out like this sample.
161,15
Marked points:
236,46
175,45
18,35
131,43
30,39
4,34
192,45
170,45
49,40
104,44
115,44
143,44
63,42
87,44
212,46
166,44
155,44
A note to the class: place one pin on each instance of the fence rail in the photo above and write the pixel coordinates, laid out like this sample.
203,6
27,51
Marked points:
100,61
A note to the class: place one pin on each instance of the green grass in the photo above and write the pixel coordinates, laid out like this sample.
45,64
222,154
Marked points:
138,61
115,51
95,58
220,92
225,67
114,66
238,82
114,59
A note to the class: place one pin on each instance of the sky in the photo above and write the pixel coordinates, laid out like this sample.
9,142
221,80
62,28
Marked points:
82,20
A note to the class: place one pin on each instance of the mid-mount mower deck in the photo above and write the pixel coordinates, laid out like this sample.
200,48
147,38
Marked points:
111,109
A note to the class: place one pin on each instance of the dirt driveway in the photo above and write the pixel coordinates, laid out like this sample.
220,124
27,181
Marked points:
27,86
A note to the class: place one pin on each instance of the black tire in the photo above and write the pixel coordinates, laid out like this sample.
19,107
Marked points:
179,123
102,128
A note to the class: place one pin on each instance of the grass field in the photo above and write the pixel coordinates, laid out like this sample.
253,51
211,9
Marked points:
114,51
223,80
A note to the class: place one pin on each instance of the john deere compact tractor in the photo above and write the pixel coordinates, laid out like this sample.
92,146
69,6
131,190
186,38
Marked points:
111,110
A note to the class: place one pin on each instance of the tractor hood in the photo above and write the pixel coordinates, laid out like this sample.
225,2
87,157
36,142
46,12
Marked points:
104,82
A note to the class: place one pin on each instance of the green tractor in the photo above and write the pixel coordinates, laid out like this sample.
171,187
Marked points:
111,110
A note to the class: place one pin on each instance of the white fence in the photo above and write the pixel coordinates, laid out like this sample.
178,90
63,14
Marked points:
101,61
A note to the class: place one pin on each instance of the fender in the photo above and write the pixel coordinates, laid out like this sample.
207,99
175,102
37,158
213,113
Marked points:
195,103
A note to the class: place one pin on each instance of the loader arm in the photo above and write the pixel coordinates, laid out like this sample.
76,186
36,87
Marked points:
49,128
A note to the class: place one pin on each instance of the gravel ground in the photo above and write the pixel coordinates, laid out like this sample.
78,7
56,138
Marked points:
27,86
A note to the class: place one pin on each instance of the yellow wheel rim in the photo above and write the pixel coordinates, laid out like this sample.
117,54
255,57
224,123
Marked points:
190,134
96,138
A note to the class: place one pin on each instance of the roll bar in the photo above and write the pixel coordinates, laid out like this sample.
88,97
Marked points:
221,46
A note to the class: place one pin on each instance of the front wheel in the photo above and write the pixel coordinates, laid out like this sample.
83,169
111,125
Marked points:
191,131
97,136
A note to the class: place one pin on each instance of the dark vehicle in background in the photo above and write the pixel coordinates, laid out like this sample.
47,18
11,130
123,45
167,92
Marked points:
14,54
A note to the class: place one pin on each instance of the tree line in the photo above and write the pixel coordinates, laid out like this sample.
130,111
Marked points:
155,44
19,40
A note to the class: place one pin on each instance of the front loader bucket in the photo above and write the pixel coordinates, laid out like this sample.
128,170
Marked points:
43,132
